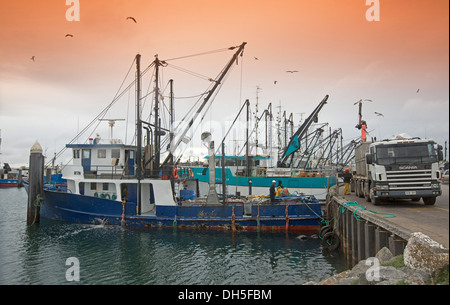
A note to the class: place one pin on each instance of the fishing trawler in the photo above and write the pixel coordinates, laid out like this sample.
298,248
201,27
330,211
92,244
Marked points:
110,182
253,174
8,178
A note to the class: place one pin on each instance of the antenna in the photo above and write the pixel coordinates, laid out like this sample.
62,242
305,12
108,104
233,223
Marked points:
111,124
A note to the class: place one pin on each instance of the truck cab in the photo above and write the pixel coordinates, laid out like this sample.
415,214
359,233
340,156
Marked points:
403,169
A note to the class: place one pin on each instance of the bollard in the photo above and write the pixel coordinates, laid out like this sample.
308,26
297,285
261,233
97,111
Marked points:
19,179
36,182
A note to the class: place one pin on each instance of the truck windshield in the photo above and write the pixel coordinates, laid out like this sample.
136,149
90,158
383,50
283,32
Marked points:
406,154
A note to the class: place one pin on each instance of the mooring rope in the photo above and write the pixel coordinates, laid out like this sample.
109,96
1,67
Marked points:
343,208
37,203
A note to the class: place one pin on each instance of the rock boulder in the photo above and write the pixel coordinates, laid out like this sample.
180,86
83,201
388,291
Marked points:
424,254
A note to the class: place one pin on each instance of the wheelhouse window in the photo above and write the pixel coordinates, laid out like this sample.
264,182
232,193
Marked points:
101,153
115,153
76,154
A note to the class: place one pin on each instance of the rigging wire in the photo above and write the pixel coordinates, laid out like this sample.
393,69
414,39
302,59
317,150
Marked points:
120,93
190,72
200,54
101,115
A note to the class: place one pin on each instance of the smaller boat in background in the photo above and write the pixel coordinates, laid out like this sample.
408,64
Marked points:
9,178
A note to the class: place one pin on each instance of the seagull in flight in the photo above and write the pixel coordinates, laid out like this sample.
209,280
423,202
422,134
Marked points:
131,18
417,90
32,58
256,58
68,35
379,114
291,71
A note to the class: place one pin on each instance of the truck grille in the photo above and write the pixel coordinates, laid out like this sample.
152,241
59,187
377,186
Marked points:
409,180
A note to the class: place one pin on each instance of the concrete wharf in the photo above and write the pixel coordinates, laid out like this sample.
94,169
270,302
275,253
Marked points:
363,228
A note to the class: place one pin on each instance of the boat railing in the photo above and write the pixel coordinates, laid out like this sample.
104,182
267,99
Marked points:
107,172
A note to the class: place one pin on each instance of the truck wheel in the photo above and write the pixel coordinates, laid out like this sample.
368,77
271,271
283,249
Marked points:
367,193
375,201
429,200
361,190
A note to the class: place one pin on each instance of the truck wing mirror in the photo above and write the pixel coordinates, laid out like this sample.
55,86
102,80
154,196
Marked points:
440,155
369,159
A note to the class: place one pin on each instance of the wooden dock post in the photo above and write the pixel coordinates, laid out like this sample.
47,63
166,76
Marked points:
370,239
19,179
361,246
36,182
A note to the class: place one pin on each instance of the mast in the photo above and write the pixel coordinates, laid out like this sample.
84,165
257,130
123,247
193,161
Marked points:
138,131
247,151
157,138
269,109
172,118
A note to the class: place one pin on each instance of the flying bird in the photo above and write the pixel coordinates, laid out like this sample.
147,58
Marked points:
379,114
32,58
131,18
291,71
417,90
256,58
275,82
69,35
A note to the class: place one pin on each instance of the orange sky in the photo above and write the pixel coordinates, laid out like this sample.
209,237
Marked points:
336,50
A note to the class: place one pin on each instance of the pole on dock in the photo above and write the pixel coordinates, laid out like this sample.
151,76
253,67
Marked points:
224,176
36,182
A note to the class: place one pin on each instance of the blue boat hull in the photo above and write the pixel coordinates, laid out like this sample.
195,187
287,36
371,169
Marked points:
292,215
9,183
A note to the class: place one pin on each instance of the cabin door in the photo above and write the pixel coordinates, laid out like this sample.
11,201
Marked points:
86,159
129,161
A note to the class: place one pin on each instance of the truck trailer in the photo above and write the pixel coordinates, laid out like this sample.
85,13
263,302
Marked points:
400,168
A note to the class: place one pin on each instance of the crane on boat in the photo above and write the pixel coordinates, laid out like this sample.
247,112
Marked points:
294,143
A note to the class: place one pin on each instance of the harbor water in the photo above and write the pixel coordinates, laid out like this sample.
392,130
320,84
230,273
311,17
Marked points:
42,254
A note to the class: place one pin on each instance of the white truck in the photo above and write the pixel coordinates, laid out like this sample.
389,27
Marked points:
400,168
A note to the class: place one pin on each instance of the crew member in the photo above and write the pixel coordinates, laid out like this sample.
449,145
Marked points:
272,192
347,178
280,183
279,188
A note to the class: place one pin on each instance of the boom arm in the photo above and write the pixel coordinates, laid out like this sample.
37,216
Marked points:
294,144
